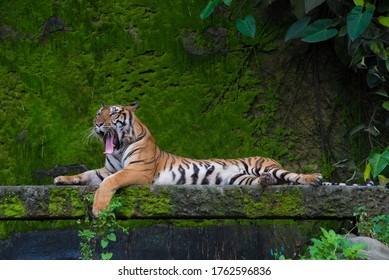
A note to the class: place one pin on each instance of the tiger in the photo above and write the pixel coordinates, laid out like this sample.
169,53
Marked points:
132,157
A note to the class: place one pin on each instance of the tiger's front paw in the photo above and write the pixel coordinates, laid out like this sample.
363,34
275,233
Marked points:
101,200
97,208
67,180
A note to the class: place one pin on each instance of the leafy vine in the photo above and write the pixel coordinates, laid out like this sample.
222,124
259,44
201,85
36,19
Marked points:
100,231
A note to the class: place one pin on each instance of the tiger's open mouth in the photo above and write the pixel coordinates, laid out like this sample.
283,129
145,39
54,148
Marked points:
111,142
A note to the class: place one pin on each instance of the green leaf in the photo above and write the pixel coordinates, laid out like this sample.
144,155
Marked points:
382,180
358,246
111,236
319,31
227,2
369,5
381,92
378,227
359,2
387,65
372,80
374,77
356,129
366,174
384,20
343,31
296,30
374,46
379,162
378,48
385,105
208,10
86,234
298,8
358,21
373,152
311,4
104,243
325,232
106,256
247,26
332,234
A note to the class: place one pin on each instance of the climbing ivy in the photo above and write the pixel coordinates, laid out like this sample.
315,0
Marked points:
99,232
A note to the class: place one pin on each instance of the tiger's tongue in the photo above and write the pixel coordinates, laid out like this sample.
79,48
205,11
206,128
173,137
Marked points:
109,145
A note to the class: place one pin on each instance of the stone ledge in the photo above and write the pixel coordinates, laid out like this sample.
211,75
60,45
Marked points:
172,202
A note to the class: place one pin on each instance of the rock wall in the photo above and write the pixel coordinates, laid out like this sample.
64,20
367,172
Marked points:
194,79
155,202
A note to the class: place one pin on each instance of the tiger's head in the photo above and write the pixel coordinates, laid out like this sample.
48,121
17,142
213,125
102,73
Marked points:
114,125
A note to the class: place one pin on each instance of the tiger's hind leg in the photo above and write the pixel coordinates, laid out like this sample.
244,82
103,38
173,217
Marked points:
314,179
276,177
284,176
265,179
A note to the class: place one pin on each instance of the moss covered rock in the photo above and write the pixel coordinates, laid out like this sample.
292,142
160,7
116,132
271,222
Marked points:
204,202
194,80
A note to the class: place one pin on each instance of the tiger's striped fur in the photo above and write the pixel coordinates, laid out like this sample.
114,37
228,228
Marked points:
133,158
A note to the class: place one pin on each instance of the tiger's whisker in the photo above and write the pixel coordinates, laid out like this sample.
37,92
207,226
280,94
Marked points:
89,136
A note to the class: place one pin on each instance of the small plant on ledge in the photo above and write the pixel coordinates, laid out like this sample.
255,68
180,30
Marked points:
99,233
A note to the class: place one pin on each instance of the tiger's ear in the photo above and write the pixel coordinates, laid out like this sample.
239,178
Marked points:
133,106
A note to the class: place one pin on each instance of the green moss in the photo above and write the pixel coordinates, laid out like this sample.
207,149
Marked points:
306,227
328,167
139,223
10,227
284,203
66,201
11,206
226,222
119,53
141,201
200,222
